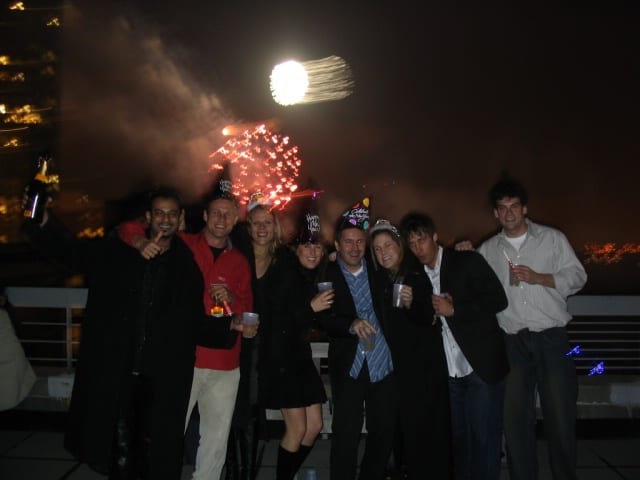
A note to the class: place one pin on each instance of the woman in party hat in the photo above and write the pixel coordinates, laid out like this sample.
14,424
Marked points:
418,354
288,378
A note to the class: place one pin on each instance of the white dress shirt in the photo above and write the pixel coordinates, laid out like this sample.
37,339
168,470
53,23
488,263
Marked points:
457,363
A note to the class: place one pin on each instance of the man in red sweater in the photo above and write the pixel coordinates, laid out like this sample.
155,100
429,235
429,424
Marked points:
216,373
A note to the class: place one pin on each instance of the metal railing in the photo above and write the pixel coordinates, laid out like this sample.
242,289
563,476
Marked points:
607,328
607,331
67,299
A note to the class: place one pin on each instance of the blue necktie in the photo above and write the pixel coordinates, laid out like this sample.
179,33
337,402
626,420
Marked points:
379,358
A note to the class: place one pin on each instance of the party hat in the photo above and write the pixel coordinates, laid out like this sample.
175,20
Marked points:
223,186
382,224
258,199
308,228
357,216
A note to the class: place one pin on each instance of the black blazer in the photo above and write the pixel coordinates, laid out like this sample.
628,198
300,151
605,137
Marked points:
337,320
477,297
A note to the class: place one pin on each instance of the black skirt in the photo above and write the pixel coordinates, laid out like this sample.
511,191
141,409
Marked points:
296,387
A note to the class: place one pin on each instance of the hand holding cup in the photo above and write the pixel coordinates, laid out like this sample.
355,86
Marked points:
323,300
402,295
442,304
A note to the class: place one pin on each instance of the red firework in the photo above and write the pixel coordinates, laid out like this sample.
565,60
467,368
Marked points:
260,160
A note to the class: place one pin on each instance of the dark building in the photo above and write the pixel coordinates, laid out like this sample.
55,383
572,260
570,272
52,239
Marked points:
30,40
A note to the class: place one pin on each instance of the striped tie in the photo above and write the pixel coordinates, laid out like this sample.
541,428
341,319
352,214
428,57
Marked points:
379,358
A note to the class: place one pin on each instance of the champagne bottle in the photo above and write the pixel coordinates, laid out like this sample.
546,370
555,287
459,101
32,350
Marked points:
37,192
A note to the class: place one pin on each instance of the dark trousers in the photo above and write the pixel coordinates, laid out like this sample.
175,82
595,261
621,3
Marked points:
539,360
132,436
351,397
476,427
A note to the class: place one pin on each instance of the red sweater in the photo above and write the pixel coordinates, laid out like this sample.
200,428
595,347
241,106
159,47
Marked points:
231,268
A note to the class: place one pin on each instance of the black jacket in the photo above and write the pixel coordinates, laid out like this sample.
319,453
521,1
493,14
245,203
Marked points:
337,320
118,278
477,297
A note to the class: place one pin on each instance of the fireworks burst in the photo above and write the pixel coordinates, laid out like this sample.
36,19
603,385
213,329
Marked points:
321,80
260,160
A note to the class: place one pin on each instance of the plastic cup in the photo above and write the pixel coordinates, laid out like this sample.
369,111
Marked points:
369,343
513,281
322,286
250,322
397,301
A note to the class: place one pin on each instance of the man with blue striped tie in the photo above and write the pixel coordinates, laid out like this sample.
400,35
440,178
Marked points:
360,365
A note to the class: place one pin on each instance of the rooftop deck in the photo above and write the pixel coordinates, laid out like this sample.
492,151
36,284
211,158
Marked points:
31,448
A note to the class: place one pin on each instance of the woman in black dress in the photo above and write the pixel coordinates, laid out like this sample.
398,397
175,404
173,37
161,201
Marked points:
288,378
418,356
260,240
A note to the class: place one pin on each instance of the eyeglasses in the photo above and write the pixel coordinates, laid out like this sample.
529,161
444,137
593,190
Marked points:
158,213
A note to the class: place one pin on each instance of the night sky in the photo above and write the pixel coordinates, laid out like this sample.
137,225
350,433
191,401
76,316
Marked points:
445,100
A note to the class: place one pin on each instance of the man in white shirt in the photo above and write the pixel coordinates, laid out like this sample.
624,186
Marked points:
539,270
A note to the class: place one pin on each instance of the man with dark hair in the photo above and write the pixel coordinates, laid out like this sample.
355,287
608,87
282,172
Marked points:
360,365
227,280
539,270
466,297
143,319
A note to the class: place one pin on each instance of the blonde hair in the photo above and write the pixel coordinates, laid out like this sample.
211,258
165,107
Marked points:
277,236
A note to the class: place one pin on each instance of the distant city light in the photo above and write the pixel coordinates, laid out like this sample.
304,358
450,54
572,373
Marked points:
609,253
313,81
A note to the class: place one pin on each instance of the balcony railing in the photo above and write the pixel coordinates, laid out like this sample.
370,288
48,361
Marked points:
606,329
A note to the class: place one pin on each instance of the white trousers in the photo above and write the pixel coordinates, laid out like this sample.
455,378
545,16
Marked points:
215,393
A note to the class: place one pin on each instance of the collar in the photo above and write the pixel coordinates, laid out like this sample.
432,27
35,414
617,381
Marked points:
436,269
363,268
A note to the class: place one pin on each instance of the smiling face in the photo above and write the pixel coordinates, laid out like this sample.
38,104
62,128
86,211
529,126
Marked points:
262,226
511,214
387,250
310,254
351,246
220,217
164,217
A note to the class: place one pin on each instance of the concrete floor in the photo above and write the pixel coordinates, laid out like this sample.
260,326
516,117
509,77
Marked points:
35,452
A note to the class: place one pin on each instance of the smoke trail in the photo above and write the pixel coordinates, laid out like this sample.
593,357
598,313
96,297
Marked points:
131,116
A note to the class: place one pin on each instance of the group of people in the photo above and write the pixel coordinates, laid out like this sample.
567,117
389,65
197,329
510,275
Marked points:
446,347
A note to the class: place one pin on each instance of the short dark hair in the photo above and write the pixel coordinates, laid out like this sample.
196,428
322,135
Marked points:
343,224
417,223
163,192
507,187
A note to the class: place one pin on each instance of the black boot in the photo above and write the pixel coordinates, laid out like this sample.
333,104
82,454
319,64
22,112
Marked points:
287,460
303,453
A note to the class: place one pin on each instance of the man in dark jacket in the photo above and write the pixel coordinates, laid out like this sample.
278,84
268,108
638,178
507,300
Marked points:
137,352
360,364
467,295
